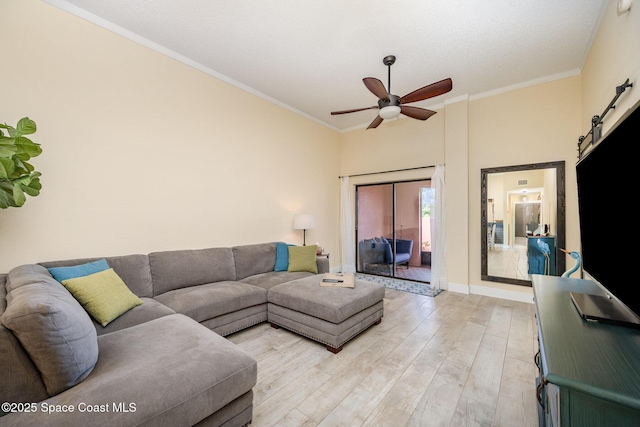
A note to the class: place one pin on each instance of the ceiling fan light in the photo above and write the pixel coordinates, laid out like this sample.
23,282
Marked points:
389,112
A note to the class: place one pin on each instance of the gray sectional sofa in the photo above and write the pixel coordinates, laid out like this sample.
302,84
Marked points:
163,362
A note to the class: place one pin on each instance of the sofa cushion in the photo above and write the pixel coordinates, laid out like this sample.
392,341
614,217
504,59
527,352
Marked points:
172,270
104,295
303,258
151,309
174,371
53,328
133,269
254,259
282,257
64,273
26,275
214,299
274,278
201,372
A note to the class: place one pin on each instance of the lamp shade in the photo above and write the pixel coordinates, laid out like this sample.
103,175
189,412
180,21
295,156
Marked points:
304,222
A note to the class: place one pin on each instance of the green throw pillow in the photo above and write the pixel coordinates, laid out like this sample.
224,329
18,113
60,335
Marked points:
104,295
303,258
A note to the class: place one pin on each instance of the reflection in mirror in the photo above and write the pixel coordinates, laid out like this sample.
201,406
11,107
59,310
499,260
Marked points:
523,228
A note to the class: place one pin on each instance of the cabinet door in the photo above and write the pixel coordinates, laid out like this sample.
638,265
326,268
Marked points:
553,405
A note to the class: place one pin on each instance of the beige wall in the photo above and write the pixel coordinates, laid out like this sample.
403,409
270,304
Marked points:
457,181
143,153
613,58
396,144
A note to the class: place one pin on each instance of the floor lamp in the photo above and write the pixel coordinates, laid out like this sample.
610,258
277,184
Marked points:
304,222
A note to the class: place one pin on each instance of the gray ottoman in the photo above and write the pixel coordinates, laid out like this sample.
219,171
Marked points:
329,315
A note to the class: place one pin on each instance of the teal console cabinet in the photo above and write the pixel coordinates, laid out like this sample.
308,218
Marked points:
538,263
589,373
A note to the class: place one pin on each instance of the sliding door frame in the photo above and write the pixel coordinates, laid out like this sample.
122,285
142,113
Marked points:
394,203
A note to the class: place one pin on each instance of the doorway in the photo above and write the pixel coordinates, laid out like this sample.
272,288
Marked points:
393,229
527,219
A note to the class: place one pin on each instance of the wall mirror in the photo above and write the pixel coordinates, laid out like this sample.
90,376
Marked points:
522,222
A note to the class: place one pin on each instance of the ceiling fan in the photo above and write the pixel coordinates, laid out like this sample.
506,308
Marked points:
390,106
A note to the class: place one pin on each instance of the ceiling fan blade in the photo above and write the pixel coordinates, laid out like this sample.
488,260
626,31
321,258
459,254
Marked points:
333,113
429,91
375,123
376,87
416,112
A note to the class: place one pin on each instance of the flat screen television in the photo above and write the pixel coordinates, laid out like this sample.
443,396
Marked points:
608,223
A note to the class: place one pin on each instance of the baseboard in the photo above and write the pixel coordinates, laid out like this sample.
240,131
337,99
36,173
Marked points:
481,290
493,292
504,293
461,289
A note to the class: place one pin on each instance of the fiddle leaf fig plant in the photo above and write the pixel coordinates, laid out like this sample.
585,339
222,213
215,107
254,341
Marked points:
17,176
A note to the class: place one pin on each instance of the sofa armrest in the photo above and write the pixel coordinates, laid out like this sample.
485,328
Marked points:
404,246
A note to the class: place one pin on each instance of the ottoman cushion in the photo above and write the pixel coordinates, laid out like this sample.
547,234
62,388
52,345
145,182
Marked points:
332,304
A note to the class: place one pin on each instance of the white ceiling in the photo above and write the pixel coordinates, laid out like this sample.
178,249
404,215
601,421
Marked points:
310,55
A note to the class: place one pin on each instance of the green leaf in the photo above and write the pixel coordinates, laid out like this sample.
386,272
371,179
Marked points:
25,180
29,184
5,197
33,189
7,168
7,151
17,176
7,146
18,195
26,126
25,148
21,167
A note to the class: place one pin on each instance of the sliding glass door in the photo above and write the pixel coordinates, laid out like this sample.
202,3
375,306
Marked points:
393,229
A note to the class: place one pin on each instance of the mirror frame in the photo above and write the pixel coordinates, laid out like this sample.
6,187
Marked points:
560,217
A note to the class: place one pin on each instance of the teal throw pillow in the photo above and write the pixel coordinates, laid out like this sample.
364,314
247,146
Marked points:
65,273
282,257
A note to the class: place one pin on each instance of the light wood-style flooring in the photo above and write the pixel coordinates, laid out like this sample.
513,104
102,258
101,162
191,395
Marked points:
453,360
505,261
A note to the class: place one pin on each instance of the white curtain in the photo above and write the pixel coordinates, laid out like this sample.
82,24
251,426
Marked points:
347,244
438,250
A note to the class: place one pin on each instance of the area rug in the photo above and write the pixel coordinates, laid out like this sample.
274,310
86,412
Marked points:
401,285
